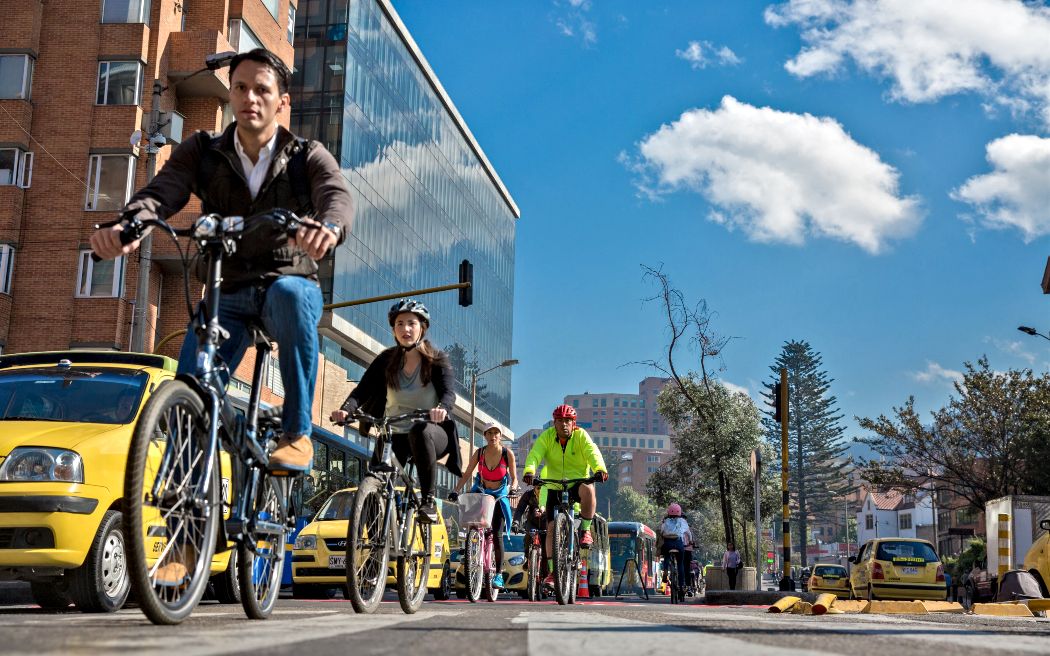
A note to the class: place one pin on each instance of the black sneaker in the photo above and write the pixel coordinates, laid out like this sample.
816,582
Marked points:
428,511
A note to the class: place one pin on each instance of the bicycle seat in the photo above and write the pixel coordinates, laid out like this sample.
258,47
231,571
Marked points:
259,334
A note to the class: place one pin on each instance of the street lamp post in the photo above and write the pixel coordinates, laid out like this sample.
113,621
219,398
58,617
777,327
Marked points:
1028,330
474,392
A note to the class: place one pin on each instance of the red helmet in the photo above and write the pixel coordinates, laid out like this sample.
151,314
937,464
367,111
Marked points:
565,412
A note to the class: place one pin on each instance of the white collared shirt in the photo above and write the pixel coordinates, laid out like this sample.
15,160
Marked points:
255,173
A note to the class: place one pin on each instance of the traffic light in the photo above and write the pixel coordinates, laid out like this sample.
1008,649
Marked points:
775,389
466,275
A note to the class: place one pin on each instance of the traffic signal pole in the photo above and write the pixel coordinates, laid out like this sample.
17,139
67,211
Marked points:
786,582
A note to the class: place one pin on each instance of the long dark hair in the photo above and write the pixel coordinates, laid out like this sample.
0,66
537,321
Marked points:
432,356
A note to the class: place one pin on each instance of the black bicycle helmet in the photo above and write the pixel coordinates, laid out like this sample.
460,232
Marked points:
409,305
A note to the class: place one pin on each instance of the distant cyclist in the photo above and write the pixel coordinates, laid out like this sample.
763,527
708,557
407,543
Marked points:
497,476
674,533
569,453
413,375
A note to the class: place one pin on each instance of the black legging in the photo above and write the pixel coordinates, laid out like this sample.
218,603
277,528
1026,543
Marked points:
426,441
497,538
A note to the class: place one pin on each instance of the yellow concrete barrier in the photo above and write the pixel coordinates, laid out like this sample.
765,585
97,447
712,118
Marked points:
802,608
1036,605
896,608
850,605
784,604
1002,610
943,607
823,603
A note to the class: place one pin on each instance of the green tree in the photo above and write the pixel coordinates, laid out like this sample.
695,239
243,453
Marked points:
990,440
630,506
814,437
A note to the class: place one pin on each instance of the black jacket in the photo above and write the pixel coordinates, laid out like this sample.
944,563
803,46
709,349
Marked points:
370,397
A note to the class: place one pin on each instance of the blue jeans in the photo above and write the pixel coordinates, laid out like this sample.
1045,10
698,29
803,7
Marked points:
289,310
666,547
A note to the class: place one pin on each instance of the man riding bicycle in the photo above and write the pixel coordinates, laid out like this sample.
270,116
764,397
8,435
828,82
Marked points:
256,165
569,452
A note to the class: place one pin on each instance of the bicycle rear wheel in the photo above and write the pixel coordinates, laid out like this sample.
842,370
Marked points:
563,569
672,578
473,571
367,547
413,568
170,525
261,552
533,586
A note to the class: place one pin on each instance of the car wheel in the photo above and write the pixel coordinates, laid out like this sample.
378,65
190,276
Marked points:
226,584
101,584
444,589
50,595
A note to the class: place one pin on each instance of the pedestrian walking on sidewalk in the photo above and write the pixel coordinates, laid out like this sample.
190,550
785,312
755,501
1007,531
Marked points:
731,564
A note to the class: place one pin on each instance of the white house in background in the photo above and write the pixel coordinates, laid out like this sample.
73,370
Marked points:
894,514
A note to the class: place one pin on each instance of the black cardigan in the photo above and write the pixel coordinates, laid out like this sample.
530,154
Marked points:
370,397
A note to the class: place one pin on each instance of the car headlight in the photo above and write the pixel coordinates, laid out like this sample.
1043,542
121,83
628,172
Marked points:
516,561
31,463
306,542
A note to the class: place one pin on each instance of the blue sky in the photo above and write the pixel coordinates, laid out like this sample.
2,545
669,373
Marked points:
873,177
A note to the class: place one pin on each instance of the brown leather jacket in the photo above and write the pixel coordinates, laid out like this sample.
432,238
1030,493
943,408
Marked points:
227,194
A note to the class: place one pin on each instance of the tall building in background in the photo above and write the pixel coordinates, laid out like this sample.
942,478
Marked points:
426,196
632,435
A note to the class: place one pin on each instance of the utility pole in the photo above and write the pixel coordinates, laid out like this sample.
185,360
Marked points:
756,473
786,582
154,141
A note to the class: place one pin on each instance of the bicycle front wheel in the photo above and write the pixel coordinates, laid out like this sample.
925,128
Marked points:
413,567
473,572
261,552
367,547
170,524
564,574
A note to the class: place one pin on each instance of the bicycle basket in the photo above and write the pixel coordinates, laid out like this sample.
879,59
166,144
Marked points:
475,509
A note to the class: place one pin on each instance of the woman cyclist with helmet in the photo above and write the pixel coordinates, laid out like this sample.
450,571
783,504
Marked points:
413,375
674,533
497,477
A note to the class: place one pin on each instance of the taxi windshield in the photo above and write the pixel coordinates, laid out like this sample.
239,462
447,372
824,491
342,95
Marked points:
337,507
78,394
906,552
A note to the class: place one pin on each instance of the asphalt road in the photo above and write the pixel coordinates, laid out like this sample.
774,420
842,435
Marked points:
512,627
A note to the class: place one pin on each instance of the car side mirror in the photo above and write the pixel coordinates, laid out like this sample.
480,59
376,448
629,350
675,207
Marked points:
852,559
1045,524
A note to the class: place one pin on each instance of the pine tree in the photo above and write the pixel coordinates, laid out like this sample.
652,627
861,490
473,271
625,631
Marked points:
814,437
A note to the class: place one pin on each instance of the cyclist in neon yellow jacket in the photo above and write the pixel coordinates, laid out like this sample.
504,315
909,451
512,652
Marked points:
569,453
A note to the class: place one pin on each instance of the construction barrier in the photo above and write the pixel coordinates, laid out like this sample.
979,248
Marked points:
784,604
943,607
850,606
1037,605
896,608
1002,610
802,608
823,603
584,591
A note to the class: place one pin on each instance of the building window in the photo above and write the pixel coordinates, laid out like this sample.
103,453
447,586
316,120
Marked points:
659,444
125,11
594,403
110,178
241,36
616,403
273,377
119,83
16,77
291,23
7,267
272,7
575,403
634,442
905,522
603,404
99,279
869,522
16,167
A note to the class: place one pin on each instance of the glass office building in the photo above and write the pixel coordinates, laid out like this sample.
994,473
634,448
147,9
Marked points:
426,196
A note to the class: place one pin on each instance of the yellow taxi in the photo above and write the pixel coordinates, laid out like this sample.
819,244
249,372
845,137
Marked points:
829,578
897,568
319,553
66,420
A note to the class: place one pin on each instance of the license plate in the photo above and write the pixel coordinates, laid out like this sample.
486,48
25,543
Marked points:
909,571
337,562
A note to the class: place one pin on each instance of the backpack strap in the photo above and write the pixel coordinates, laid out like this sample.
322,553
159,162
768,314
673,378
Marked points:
298,176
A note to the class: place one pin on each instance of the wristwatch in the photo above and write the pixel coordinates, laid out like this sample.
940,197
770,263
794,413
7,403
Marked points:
335,228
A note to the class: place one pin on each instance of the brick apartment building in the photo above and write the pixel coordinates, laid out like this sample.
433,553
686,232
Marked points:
632,435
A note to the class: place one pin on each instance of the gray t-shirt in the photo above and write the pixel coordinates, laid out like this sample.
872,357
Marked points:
413,395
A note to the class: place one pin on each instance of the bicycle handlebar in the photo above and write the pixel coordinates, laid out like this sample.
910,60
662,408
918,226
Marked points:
385,421
538,482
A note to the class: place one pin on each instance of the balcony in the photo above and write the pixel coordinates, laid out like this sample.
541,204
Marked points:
186,53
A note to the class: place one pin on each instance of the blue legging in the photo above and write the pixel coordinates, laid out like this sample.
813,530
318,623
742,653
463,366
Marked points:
680,546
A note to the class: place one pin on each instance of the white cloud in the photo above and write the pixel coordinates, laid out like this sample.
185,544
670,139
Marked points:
936,373
701,54
1016,194
929,48
1012,347
734,388
572,21
778,176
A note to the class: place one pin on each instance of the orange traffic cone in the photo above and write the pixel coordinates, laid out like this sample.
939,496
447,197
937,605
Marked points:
584,591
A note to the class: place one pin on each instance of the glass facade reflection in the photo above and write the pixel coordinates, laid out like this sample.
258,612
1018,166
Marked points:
425,199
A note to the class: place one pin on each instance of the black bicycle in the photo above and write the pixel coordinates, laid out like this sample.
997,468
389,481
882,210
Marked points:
566,543
174,498
670,567
384,519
